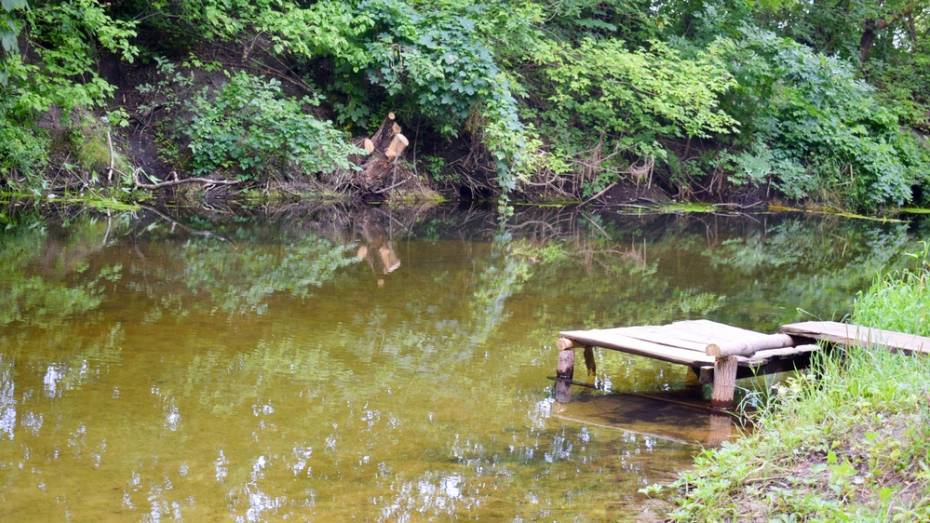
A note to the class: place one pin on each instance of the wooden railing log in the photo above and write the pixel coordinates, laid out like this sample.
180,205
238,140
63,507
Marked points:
749,346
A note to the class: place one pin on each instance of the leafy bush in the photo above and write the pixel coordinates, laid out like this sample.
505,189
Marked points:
643,93
64,39
250,128
635,99
23,150
433,61
821,131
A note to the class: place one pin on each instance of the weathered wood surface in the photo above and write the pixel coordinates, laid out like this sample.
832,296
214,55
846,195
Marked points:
611,339
719,353
383,148
684,342
764,356
750,346
724,381
850,334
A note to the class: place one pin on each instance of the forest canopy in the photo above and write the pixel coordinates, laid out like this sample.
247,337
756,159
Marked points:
825,101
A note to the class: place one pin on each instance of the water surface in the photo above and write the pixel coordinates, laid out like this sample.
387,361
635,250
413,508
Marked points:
330,364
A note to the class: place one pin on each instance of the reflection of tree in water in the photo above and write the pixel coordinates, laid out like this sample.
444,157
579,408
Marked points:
808,266
425,345
240,278
45,279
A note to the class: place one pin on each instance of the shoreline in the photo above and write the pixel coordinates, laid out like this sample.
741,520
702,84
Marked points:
109,202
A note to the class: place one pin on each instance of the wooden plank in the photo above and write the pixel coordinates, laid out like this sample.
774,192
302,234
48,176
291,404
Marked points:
660,336
763,356
751,369
850,334
630,345
718,332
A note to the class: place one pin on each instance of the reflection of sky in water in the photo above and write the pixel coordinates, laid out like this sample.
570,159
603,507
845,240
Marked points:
8,402
277,375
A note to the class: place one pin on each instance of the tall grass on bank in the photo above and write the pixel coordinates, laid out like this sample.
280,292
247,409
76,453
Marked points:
901,300
848,440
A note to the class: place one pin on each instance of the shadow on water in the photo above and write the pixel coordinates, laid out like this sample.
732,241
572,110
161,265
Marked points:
654,416
334,362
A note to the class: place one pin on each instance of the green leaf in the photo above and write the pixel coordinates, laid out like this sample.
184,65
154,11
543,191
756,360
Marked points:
8,41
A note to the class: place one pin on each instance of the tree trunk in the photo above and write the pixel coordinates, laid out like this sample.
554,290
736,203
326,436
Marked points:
867,40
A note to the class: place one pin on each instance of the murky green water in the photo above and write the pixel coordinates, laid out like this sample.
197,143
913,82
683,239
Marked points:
325,364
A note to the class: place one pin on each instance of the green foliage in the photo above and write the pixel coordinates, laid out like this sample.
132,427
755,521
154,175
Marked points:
808,101
634,100
642,94
23,150
250,128
434,60
64,40
814,129
899,300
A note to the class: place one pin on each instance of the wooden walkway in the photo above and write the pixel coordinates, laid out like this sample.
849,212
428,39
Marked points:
720,353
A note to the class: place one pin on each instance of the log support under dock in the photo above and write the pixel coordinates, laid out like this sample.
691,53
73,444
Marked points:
717,354
564,370
720,354
724,382
724,373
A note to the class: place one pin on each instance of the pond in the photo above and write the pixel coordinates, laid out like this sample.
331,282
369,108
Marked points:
328,363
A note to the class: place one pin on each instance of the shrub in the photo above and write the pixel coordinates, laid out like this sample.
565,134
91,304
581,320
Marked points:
249,128
635,99
431,60
64,40
821,130
23,151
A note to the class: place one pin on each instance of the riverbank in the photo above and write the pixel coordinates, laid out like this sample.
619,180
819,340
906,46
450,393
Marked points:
477,100
847,441
121,201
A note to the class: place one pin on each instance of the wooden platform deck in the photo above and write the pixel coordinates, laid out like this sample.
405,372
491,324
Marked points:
720,353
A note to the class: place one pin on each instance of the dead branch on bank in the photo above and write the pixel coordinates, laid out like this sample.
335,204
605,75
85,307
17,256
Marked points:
177,181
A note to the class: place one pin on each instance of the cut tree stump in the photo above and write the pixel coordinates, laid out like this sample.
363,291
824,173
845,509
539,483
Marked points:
384,148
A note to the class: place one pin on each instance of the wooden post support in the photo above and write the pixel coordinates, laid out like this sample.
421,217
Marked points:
564,370
589,362
724,382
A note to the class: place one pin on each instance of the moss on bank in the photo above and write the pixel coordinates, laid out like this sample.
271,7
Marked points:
847,441
97,199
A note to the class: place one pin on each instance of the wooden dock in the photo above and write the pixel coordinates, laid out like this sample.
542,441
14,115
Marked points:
720,354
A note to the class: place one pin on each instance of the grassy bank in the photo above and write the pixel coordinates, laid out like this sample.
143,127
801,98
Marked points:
847,441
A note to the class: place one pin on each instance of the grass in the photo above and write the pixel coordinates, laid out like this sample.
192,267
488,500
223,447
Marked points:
671,208
847,441
100,200
832,211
